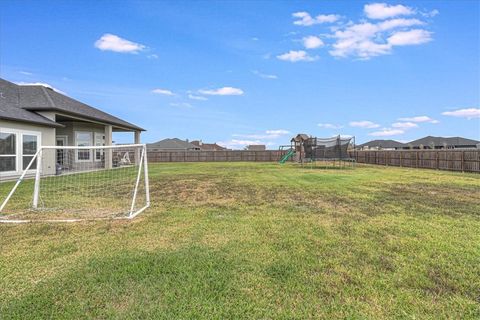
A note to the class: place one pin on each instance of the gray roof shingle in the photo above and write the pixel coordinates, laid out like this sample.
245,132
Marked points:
440,141
39,98
10,107
386,144
170,144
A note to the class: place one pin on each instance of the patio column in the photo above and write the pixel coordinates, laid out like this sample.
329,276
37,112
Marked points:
137,151
108,142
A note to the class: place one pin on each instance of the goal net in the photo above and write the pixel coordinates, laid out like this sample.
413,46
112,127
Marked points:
78,183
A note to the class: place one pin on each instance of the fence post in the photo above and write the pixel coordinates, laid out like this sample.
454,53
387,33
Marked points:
416,159
463,161
401,158
437,160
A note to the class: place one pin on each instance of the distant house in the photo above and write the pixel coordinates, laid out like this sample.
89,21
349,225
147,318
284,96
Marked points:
256,147
173,144
431,142
208,146
381,145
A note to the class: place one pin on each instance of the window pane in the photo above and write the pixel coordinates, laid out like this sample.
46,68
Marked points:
84,139
99,141
26,161
83,154
7,143
29,144
7,164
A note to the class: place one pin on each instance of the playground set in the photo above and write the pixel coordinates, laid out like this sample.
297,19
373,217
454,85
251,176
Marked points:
305,149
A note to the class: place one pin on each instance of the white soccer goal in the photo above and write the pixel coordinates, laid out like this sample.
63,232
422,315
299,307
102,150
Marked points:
79,183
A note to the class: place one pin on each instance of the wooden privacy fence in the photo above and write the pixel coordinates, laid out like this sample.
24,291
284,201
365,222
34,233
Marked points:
453,160
215,156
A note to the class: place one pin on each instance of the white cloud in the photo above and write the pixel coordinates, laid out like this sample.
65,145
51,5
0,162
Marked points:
268,134
312,42
404,125
364,124
305,19
295,56
264,75
430,14
278,132
194,97
330,126
386,132
411,37
468,113
26,73
237,143
111,42
43,84
224,91
383,10
364,40
398,23
164,92
419,119
181,105
152,56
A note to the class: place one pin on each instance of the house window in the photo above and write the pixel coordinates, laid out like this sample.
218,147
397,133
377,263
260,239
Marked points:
17,149
99,141
29,148
8,152
83,139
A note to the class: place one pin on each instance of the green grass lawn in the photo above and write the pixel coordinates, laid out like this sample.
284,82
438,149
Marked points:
261,241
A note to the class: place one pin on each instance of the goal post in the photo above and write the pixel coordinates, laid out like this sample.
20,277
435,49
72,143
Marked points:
70,183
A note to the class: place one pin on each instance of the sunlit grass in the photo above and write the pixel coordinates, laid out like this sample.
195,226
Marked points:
249,240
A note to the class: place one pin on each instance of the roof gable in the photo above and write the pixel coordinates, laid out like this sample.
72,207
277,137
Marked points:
440,141
173,143
10,107
383,144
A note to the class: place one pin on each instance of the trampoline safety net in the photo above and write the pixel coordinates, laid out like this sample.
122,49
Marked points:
335,148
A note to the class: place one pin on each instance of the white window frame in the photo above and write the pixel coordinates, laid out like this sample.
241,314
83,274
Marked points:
102,143
19,149
8,131
90,158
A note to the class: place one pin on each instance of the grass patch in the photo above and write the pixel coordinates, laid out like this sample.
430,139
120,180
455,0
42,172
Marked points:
257,240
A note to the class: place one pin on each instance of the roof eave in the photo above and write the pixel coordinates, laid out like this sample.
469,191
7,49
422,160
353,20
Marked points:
132,127
51,124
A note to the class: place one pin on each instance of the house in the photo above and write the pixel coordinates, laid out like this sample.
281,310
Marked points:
208,146
256,147
173,144
33,115
431,142
381,145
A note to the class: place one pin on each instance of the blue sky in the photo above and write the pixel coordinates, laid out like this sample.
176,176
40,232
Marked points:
256,72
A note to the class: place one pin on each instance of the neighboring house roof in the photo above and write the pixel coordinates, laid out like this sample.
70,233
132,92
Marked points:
208,146
256,147
385,144
174,143
441,141
39,98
